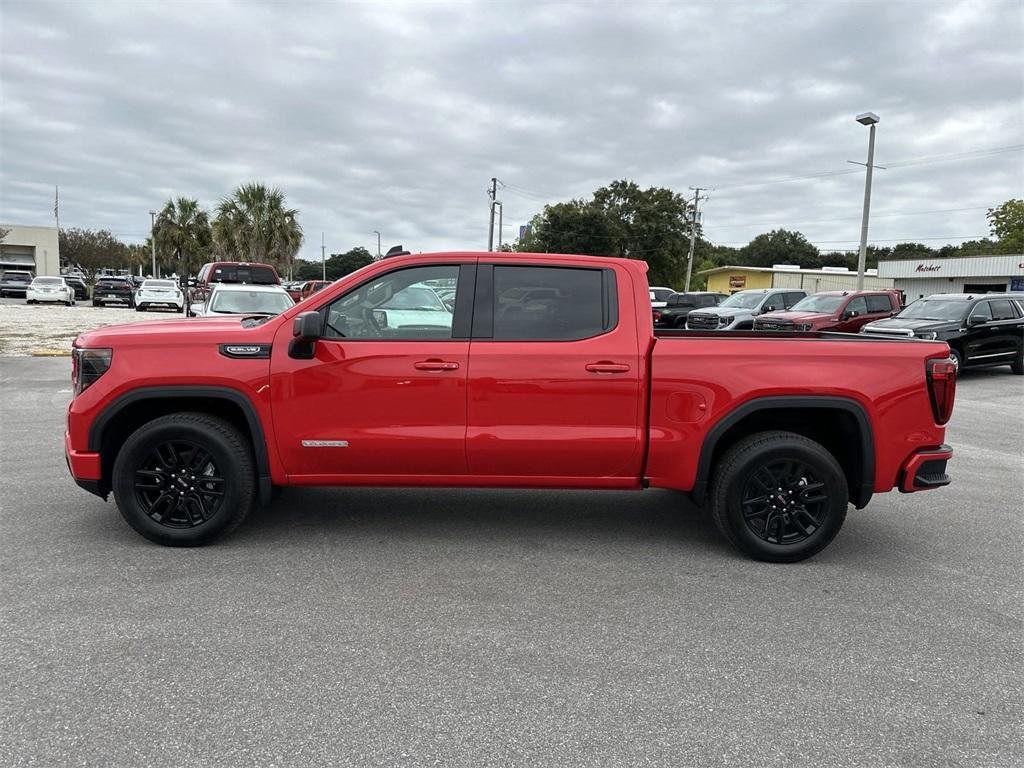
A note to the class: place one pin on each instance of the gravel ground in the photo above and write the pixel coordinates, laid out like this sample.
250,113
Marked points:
25,328
406,627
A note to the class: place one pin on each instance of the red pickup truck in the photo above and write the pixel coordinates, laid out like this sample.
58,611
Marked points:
373,381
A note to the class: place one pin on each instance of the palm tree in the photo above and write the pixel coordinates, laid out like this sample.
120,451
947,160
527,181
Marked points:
253,224
182,231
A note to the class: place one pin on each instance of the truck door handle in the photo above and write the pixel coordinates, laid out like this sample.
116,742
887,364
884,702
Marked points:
436,365
606,367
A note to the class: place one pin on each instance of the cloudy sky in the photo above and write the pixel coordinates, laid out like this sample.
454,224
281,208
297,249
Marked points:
394,116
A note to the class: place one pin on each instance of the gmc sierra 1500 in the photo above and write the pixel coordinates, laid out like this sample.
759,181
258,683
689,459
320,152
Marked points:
189,423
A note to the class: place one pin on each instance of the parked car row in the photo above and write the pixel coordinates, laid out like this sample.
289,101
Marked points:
981,329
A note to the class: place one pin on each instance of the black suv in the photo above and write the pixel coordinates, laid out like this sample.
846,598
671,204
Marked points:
981,329
111,289
15,282
679,305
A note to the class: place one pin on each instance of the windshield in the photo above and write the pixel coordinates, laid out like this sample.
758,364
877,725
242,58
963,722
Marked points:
46,281
414,297
743,300
148,284
17,276
935,309
250,302
819,303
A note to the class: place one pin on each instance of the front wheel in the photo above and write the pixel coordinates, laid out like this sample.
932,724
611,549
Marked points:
184,479
779,496
1017,366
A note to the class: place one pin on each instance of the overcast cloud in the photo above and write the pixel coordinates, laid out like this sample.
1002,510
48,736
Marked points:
393,117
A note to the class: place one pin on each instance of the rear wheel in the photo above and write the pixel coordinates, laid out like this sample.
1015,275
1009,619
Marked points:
958,361
184,479
97,303
140,307
680,322
779,497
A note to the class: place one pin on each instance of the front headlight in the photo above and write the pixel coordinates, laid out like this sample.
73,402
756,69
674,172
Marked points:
87,365
726,320
927,335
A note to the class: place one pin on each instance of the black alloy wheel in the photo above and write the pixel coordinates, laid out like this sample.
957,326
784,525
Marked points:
179,485
778,496
185,479
783,502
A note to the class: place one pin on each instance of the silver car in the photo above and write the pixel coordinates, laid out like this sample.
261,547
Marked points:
240,299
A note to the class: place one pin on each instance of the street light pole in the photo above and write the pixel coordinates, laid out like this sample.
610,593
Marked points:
870,119
152,238
378,242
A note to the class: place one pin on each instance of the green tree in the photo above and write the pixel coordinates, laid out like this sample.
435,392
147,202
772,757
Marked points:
253,224
1006,222
92,250
621,220
338,265
183,234
780,246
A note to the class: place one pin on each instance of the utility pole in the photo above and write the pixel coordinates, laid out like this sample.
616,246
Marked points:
378,243
152,239
870,119
323,255
492,193
693,234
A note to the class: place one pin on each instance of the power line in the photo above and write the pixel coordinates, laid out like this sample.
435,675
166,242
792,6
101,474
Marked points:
774,222
969,154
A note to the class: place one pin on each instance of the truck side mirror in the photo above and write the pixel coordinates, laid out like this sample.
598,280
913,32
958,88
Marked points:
976,320
306,329
850,313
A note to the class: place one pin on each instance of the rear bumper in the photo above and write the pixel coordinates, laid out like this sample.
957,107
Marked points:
926,470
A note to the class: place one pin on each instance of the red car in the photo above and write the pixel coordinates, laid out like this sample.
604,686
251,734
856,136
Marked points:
310,287
371,383
843,311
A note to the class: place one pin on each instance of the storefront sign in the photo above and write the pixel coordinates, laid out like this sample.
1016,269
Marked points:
928,268
737,281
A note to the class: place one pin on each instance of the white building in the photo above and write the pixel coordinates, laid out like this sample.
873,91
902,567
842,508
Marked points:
968,274
36,249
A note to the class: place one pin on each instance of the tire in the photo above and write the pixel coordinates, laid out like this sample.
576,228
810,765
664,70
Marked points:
140,307
680,322
750,468
958,360
1017,366
190,519
96,303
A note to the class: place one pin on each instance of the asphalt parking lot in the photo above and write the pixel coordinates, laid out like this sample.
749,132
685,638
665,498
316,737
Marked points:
470,628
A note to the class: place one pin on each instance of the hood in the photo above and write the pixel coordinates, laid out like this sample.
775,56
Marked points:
799,317
723,311
178,332
913,324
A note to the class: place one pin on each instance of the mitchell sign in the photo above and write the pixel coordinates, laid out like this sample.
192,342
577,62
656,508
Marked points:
928,267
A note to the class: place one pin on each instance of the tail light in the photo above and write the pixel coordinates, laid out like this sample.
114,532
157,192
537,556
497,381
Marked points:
87,365
941,376
657,316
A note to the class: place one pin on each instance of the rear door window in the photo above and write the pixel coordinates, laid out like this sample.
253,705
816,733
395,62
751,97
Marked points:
1002,309
879,303
574,306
